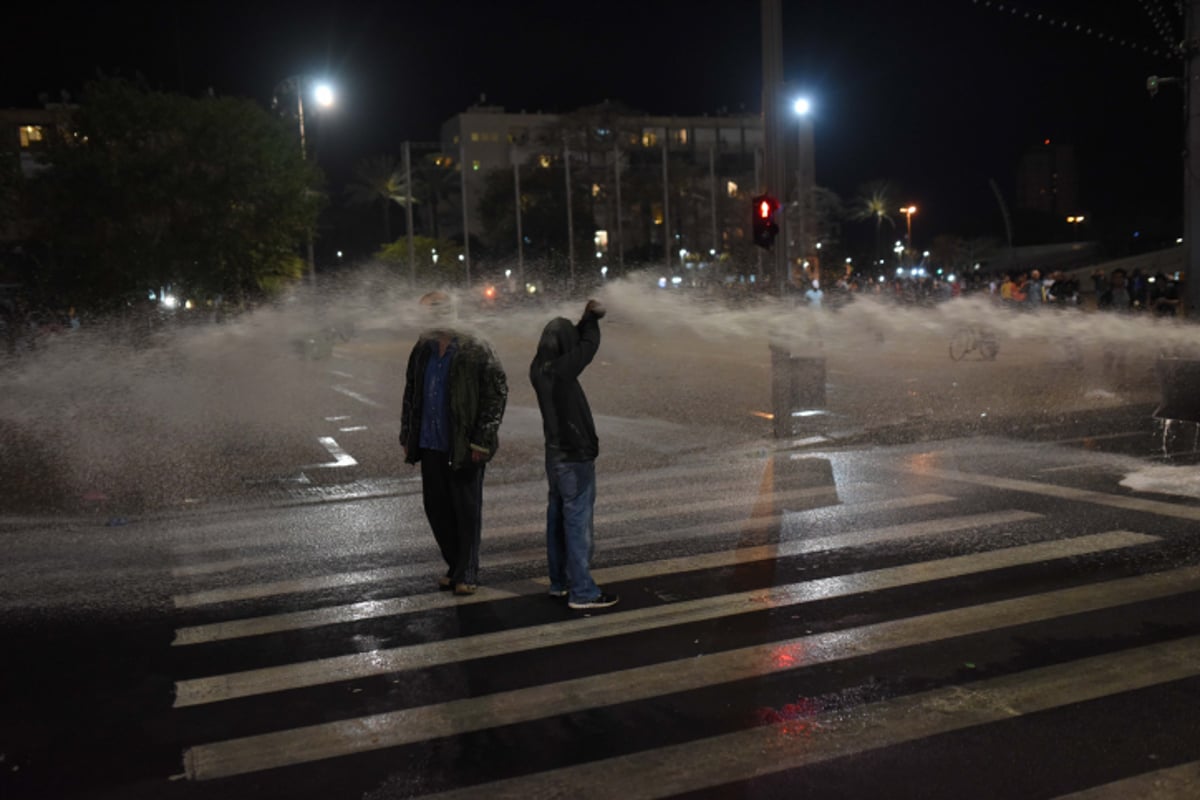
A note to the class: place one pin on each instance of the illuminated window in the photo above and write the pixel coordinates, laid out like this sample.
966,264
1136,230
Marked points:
601,240
30,134
475,165
731,188
456,139
544,161
658,214
595,190
649,137
680,136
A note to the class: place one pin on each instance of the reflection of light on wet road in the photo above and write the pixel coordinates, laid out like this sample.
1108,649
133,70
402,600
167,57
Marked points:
788,655
921,462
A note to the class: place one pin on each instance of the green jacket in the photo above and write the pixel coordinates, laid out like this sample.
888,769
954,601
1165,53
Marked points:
478,394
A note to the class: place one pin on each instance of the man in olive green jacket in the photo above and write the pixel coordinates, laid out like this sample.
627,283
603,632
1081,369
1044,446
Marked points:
455,391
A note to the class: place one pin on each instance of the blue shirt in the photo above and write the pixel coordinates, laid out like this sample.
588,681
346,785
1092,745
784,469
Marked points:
435,410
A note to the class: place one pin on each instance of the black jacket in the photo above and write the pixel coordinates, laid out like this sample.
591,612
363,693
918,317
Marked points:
564,351
478,395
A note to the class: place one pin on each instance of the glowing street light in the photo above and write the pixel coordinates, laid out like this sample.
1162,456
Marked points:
323,94
1074,222
908,211
802,106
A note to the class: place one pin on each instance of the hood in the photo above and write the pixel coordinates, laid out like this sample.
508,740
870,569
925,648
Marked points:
558,337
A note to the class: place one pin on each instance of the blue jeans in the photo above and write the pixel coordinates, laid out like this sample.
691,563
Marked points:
569,530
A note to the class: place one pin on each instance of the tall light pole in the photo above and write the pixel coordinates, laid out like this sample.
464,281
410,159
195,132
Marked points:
1074,221
908,211
805,161
324,97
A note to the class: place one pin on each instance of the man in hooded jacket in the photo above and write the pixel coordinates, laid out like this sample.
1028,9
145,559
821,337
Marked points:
564,351
455,392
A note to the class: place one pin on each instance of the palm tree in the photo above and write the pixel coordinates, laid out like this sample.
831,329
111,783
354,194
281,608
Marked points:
380,179
874,201
435,181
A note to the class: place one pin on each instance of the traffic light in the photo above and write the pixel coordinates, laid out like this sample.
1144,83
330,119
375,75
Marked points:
765,228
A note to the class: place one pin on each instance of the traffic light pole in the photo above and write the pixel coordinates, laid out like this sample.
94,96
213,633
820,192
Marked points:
1191,198
774,162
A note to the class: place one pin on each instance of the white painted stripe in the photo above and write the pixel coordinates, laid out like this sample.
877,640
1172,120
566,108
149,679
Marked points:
797,547
1073,467
391,729
809,441
248,683
311,618
533,507
751,753
341,374
499,497
1173,783
692,533
1102,437
338,418
692,498
353,428
1175,510
355,395
353,612
492,533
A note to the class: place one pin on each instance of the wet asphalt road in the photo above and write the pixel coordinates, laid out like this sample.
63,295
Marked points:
890,603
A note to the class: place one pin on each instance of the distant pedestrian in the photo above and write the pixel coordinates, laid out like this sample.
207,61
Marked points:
455,391
1167,299
564,351
813,294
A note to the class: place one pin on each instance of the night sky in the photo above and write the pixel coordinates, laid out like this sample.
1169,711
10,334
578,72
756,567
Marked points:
937,97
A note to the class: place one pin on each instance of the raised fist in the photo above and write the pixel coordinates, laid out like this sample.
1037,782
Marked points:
595,308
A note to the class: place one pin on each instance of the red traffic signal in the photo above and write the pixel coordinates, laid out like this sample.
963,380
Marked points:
765,229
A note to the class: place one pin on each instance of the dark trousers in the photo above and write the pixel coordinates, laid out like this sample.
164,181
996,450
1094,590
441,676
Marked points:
454,506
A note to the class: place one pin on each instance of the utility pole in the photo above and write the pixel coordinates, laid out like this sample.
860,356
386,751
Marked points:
408,215
712,188
1191,193
620,231
668,240
520,236
570,213
312,264
462,164
773,128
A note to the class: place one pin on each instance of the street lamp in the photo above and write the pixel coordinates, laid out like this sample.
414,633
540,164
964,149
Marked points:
802,107
324,97
908,211
1074,221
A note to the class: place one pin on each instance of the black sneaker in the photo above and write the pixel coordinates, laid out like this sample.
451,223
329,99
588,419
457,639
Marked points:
601,601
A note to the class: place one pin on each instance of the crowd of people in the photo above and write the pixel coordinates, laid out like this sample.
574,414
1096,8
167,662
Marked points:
1160,294
23,326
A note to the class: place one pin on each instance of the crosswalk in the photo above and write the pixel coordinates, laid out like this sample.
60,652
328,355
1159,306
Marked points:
781,623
